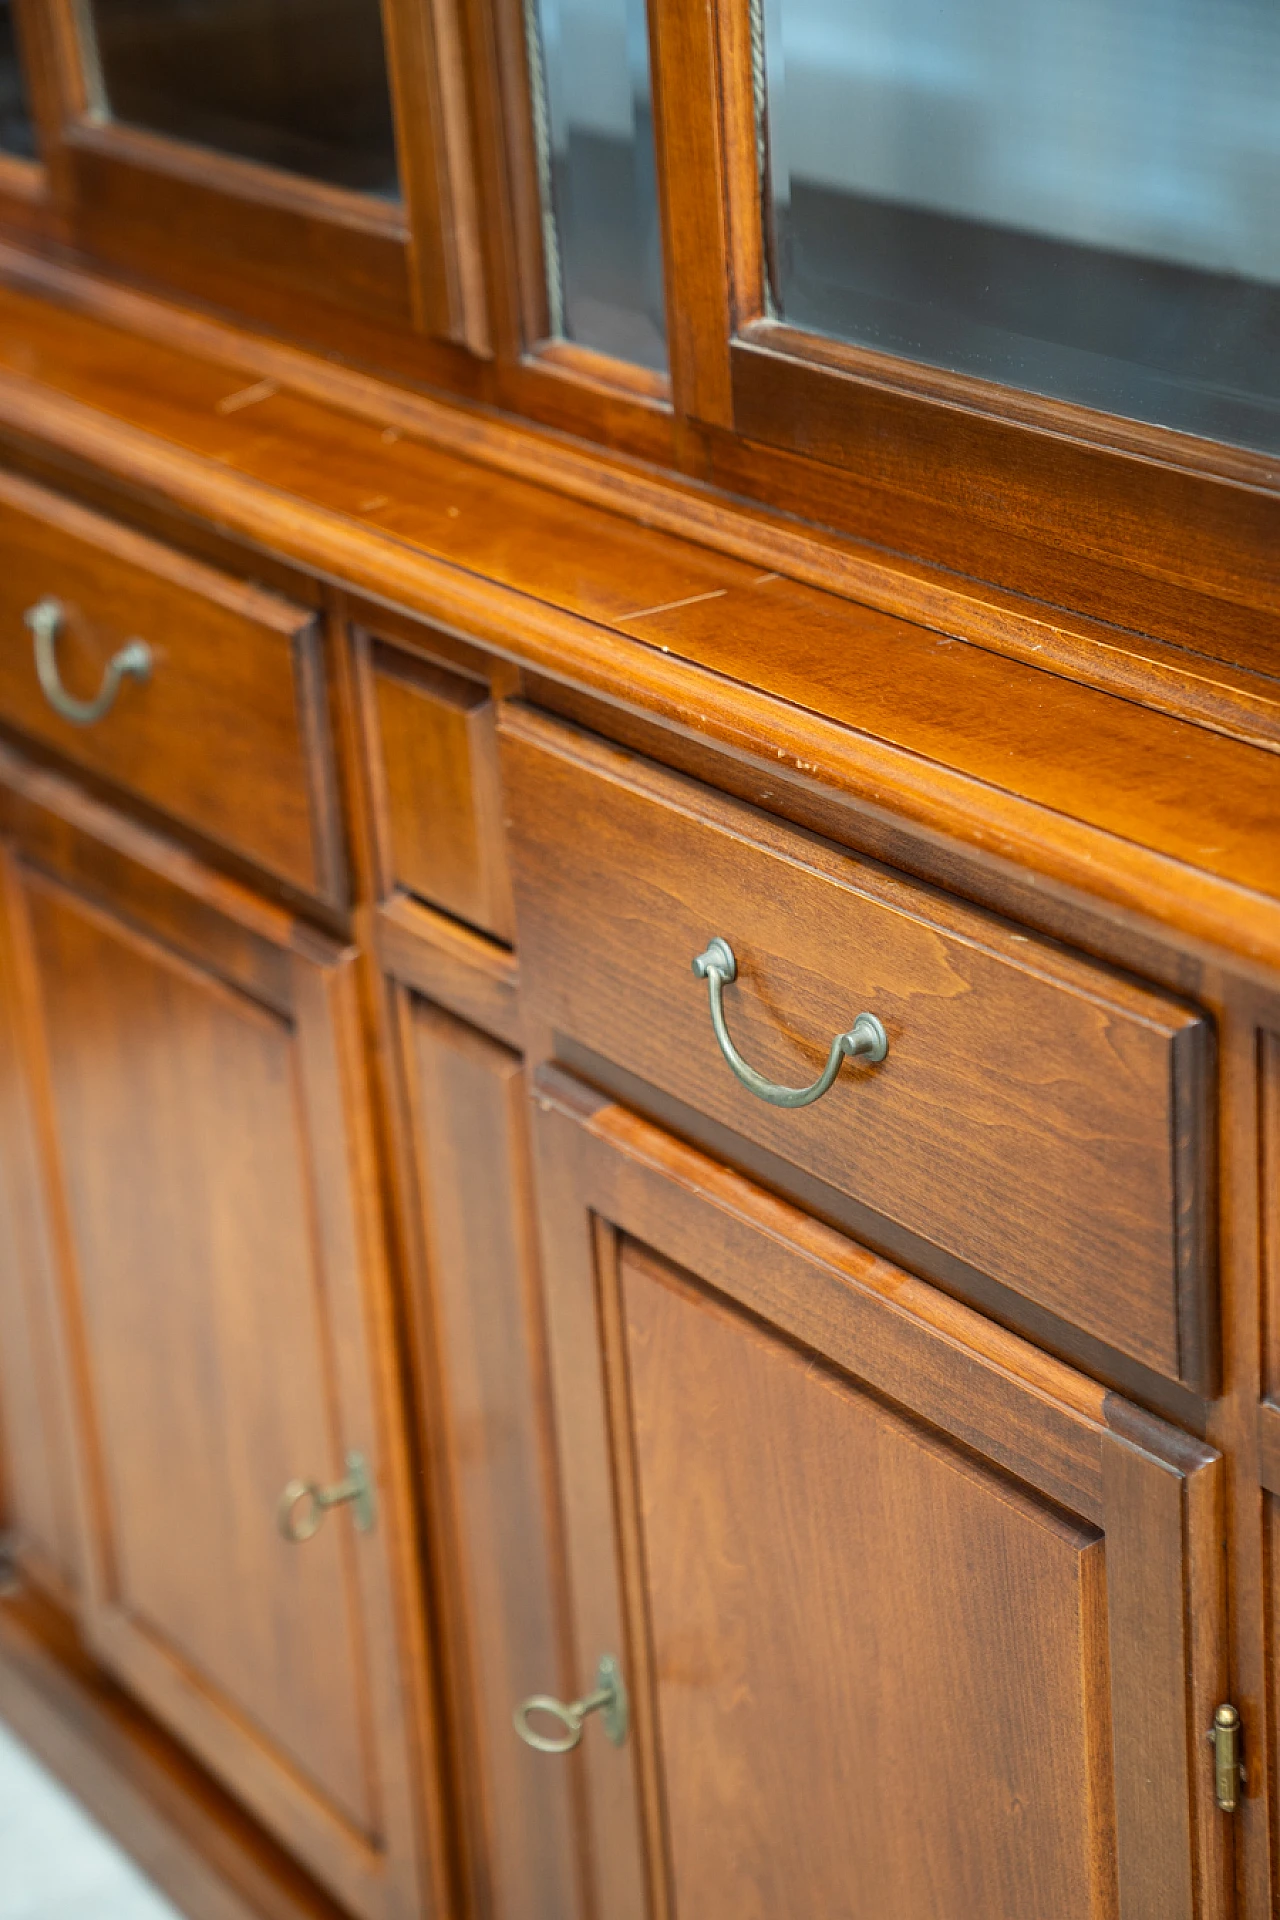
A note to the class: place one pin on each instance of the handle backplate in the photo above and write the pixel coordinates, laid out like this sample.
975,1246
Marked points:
304,1503
609,1700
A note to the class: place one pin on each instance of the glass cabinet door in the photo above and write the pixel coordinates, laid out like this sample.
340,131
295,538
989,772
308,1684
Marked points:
304,163
17,134
1080,198
593,131
296,84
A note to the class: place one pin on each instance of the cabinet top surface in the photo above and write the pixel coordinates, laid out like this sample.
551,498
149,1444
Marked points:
1172,821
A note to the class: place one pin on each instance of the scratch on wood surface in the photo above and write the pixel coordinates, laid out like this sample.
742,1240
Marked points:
669,606
247,396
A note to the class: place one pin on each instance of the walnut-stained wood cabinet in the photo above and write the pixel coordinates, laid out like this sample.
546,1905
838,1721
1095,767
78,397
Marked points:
640,953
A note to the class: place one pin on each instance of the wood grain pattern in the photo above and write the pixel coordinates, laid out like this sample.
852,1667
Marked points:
270,238
328,262
1232,1427
1027,1119
765,1714
858,1712
688,147
429,85
1049,505
226,735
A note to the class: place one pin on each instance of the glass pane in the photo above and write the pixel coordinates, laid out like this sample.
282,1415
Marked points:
298,84
1076,197
594,123
17,134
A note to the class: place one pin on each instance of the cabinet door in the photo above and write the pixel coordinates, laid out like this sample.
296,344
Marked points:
914,1620
193,1063
304,162
481,1358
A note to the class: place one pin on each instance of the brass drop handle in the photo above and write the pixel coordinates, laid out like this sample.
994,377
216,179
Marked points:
304,1503
133,661
609,1700
865,1040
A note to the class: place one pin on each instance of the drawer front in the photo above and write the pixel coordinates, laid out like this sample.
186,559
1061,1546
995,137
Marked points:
226,733
1037,1116
438,746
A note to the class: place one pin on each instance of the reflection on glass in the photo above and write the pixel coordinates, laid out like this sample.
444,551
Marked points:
17,135
593,123
298,84
1076,197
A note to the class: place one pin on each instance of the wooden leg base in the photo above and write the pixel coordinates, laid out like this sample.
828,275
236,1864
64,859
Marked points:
184,1831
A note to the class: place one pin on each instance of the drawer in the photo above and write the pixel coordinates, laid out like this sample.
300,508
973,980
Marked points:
1037,1116
227,734
442,799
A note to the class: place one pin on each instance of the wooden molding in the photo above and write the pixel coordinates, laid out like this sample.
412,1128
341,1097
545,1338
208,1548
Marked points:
1136,664
1160,823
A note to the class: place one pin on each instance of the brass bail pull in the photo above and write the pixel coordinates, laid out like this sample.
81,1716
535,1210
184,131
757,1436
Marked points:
609,1700
865,1040
133,661
304,1503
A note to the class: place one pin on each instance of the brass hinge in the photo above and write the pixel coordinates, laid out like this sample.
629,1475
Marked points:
1228,1770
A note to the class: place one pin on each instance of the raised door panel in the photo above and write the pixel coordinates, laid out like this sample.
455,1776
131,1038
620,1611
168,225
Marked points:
184,1169
913,1619
438,750
206,1177
826,1665
481,1357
